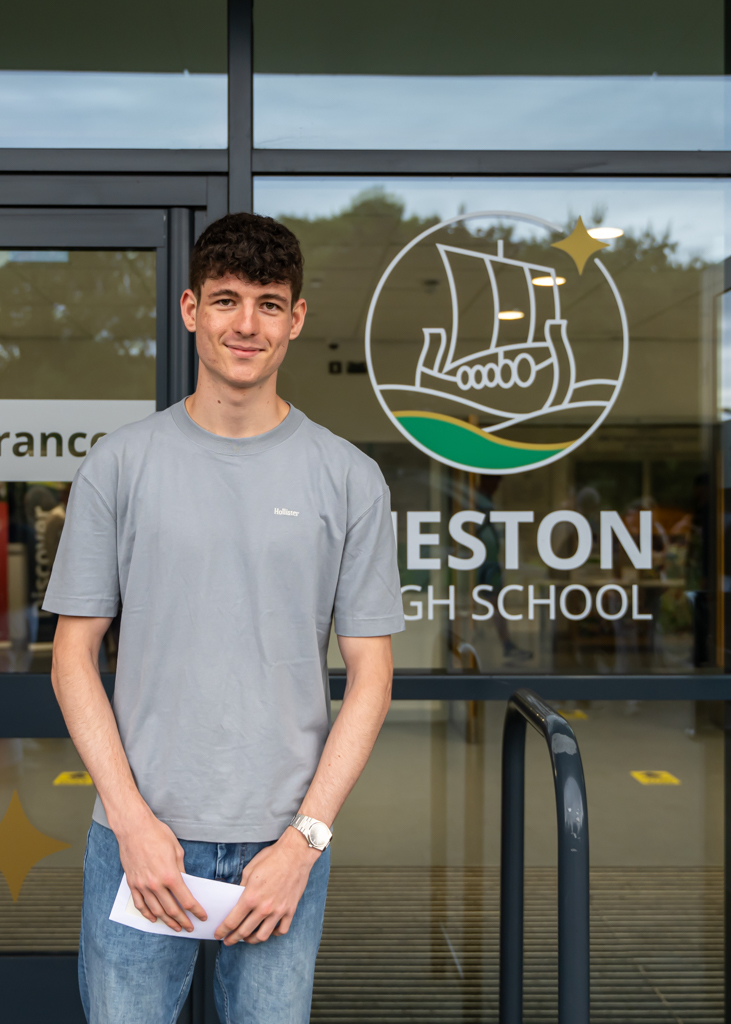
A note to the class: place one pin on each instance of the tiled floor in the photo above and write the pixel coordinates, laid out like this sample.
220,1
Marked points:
411,931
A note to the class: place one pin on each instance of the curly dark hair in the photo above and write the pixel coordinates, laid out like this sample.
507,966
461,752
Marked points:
259,249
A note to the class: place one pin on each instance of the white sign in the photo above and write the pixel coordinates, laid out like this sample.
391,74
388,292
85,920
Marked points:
425,551
46,440
464,398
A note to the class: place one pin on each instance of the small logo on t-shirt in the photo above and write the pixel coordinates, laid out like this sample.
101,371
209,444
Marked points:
285,512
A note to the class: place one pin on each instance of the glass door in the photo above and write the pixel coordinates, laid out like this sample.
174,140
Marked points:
546,391
80,336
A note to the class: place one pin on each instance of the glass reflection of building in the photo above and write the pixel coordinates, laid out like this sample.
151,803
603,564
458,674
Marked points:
655,451
371,124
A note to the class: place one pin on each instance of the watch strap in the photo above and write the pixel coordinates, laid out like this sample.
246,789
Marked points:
303,823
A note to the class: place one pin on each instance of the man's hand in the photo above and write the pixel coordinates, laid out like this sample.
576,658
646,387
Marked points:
151,855
275,880
153,859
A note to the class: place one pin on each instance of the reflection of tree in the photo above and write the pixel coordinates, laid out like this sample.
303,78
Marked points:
375,214
660,289
372,217
79,328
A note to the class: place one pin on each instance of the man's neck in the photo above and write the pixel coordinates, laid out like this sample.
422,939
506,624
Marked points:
236,412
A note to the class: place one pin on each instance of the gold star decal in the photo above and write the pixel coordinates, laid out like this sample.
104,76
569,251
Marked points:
580,245
22,846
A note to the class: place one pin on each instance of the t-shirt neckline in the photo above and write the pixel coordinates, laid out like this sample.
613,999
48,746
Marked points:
236,445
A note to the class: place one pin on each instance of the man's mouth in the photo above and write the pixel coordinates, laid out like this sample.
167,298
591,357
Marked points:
243,351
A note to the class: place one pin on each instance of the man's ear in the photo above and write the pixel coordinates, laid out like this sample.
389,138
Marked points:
298,318
188,309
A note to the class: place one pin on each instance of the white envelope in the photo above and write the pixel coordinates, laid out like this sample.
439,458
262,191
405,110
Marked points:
217,899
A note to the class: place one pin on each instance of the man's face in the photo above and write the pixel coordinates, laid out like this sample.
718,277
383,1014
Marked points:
242,328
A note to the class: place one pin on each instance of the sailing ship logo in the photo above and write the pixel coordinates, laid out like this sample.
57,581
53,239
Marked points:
505,393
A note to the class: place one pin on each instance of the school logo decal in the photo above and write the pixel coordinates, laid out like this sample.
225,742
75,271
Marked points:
495,345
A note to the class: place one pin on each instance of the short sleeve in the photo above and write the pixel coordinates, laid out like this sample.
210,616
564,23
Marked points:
368,596
85,578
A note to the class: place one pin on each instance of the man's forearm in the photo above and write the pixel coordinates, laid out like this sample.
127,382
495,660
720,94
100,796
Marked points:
151,856
91,722
275,878
354,733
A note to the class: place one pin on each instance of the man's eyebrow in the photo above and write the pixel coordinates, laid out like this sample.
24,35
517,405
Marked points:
266,297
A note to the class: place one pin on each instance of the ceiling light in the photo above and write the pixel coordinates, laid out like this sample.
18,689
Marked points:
605,232
547,282
510,314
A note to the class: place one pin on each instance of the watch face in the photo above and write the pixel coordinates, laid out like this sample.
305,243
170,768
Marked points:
319,834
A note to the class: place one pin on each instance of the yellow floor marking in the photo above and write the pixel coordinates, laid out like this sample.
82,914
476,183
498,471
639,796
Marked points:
22,845
73,779
574,716
656,778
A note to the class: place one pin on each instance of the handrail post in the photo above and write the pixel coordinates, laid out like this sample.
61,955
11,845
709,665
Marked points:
573,860
511,869
573,898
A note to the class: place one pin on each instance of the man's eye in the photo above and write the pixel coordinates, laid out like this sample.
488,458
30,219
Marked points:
270,305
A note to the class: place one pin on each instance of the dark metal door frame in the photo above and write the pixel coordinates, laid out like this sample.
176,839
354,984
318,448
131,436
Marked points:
41,987
27,704
190,188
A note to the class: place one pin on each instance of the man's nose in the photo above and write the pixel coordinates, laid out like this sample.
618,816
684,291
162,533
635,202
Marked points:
246,320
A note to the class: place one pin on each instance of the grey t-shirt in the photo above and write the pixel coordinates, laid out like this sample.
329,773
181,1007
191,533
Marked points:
229,557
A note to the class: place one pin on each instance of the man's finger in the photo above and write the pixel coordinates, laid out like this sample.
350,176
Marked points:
264,930
159,911
242,933
283,926
250,923
187,901
140,905
234,919
173,909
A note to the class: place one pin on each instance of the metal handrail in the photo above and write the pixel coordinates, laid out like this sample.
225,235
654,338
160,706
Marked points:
573,860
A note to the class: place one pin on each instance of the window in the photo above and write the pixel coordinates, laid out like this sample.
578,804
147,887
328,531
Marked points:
473,75
141,75
541,390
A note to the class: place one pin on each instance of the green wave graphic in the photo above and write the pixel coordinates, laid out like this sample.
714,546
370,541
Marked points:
460,442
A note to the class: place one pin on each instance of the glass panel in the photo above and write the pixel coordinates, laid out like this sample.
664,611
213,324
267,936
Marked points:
411,927
46,800
517,76
77,359
539,388
78,76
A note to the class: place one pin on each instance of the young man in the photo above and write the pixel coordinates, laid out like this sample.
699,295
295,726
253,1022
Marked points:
230,529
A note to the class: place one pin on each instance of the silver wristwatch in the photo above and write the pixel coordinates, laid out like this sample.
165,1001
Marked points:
317,834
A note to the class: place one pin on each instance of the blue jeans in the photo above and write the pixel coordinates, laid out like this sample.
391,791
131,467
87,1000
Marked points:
132,977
